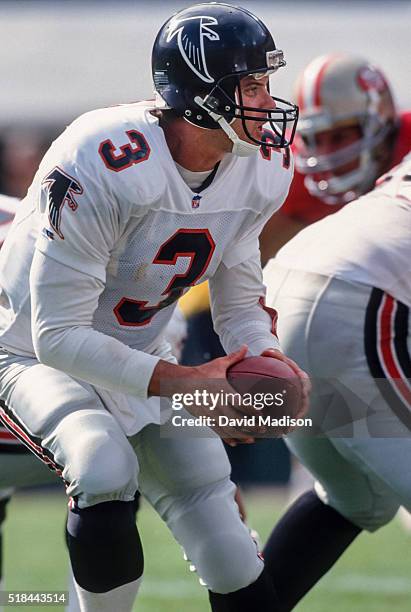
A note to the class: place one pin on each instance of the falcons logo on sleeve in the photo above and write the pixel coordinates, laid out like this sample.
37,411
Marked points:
191,42
61,190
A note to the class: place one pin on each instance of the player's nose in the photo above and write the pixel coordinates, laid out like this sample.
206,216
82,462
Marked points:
269,101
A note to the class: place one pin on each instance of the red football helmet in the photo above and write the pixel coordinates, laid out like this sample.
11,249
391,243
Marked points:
336,92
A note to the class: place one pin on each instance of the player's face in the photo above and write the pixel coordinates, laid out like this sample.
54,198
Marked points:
330,141
254,93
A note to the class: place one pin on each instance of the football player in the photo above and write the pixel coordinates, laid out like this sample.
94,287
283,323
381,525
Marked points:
130,206
349,133
342,289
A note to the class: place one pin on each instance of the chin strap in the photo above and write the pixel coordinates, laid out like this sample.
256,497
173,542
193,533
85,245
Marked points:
241,148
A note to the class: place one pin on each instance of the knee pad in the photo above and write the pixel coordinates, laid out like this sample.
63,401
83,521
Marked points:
103,467
99,462
218,543
104,546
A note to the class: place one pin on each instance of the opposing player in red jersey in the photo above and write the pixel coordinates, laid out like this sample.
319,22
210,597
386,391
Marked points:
349,133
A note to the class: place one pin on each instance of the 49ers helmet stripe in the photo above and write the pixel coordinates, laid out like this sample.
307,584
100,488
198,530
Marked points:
309,93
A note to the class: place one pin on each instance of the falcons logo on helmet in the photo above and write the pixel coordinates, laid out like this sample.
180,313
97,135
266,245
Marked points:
191,42
61,190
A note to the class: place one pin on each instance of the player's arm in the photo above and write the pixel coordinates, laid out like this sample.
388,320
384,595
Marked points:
240,316
63,304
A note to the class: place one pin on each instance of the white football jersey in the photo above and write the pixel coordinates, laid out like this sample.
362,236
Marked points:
368,241
8,208
108,201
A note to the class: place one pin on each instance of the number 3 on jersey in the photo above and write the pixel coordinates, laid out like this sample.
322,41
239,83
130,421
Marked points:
197,244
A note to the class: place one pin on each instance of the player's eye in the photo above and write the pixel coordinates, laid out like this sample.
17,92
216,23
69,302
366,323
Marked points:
251,90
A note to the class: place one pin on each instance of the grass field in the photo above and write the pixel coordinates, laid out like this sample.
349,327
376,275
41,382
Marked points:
373,576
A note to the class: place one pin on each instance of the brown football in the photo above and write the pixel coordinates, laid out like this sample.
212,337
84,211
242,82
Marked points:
273,386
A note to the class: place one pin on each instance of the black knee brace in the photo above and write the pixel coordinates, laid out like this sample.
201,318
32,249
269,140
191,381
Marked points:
104,546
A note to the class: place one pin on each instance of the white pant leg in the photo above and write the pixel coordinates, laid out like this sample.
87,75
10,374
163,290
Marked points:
321,326
65,422
187,482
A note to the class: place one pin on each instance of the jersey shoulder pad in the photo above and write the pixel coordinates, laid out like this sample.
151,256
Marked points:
8,209
115,148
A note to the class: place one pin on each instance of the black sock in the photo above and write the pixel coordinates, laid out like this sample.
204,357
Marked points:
304,545
260,596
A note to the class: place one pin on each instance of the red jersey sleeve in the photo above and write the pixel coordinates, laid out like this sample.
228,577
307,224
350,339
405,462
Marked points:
403,144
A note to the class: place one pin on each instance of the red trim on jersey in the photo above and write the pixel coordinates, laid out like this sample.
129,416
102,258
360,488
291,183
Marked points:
272,313
386,348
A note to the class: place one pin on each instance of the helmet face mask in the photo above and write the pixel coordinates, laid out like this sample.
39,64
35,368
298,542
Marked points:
200,57
338,93
226,99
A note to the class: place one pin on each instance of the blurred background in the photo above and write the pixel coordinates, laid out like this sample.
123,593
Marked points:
61,58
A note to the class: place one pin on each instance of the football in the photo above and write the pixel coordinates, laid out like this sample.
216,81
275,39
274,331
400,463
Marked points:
273,388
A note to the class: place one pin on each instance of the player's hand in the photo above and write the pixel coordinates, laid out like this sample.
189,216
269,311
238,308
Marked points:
168,379
214,375
303,376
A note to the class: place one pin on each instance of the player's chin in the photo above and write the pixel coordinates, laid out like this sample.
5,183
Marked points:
257,131
254,129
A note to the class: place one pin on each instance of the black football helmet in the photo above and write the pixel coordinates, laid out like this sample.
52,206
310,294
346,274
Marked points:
199,57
